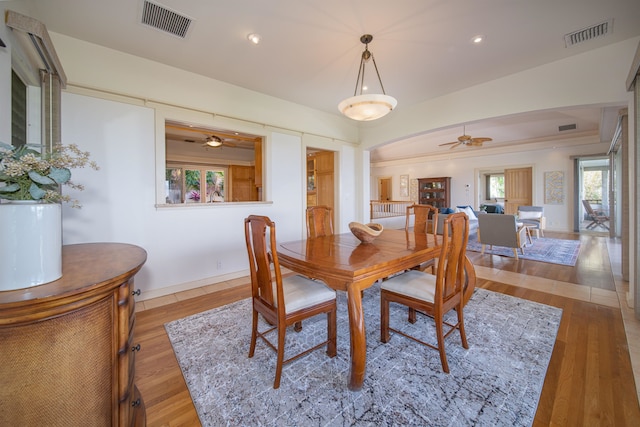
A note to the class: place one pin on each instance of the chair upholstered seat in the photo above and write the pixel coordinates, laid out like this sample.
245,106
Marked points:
414,284
301,292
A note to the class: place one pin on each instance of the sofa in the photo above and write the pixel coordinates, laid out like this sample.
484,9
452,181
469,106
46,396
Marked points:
473,219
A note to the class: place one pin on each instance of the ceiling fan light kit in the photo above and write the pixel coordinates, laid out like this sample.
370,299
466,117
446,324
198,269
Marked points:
213,141
368,106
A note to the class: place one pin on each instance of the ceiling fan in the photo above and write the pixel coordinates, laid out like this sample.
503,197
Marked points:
211,141
467,140
210,138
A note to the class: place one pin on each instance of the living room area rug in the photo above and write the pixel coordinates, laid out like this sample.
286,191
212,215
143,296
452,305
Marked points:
543,249
496,382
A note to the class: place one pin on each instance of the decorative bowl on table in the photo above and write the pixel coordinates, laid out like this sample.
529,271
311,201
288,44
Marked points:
366,233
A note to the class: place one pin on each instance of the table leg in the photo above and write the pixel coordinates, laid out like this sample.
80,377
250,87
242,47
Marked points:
358,338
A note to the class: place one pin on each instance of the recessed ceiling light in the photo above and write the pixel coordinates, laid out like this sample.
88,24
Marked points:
254,38
477,39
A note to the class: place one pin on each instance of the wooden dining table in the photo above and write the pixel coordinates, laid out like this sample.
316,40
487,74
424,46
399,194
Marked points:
345,264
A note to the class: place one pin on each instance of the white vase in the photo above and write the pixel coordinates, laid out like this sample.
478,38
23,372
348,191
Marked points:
30,244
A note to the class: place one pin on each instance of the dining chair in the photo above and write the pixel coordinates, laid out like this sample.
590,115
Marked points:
319,221
425,220
432,295
286,301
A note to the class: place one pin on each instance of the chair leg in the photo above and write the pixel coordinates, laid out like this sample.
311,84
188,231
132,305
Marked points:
412,315
384,318
282,331
463,333
515,253
332,333
297,326
254,334
440,334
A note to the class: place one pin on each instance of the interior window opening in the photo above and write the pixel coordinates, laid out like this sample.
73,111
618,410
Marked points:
207,165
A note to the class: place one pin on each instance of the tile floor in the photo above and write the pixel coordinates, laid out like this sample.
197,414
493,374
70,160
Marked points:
615,299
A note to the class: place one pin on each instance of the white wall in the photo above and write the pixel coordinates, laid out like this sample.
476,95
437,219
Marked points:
465,170
184,244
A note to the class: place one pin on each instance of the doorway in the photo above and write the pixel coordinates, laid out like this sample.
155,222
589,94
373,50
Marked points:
503,190
320,179
518,189
384,189
593,187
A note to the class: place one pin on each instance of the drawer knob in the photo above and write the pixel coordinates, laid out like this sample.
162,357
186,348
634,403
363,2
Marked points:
136,348
135,403
136,292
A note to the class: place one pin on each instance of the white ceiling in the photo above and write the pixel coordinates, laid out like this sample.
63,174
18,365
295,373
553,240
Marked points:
310,50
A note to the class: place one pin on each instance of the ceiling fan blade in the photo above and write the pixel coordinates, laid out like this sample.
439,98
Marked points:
450,143
454,146
481,140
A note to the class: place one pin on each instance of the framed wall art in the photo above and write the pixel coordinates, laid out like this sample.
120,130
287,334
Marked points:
404,185
554,188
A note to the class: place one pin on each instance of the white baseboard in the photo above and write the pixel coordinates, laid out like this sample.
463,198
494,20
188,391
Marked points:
217,280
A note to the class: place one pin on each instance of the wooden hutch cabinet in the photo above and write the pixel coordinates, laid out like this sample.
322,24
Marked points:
67,350
434,191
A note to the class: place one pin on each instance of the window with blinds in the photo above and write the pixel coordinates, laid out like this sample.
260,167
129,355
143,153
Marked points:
18,111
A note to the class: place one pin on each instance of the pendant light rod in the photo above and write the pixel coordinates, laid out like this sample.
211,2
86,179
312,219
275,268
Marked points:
366,55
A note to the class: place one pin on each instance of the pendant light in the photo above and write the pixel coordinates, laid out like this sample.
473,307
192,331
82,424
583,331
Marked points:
368,106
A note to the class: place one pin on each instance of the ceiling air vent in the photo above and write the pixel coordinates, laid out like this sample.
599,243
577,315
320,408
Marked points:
163,19
566,127
589,33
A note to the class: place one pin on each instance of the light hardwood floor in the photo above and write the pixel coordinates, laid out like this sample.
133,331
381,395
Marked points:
590,379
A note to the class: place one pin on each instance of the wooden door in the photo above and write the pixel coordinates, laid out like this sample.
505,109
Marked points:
385,189
517,189
325,180
242,186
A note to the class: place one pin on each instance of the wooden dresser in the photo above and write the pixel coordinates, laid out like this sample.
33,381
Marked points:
67,350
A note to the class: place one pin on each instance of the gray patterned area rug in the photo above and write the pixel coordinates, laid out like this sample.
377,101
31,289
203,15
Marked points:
496,382
543,249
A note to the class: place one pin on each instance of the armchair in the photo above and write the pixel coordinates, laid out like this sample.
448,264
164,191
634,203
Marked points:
502,230
533,217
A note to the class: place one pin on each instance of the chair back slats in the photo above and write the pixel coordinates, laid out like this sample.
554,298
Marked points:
450,274
425,216
319,221
260,258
